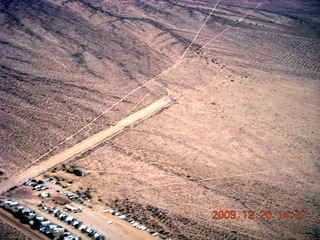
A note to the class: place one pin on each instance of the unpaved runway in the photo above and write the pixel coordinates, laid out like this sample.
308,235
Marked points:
83,146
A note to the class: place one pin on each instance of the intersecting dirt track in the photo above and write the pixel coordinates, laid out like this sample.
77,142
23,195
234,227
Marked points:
242,131
35,170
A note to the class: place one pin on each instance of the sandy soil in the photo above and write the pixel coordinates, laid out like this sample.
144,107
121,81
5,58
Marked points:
34,170
10,219
242,134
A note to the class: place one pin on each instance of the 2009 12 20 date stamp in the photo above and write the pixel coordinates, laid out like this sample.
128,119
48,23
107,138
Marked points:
259,215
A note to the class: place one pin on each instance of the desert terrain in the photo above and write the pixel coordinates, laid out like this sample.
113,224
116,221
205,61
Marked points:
9,232
241,131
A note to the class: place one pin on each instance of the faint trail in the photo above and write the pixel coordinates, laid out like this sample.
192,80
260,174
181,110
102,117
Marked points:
141,100
197,34
199,88
218,35
169,69
156,83
104,112
148,17
128,173
29,172
161,86
220,178
185,52
61,64
211,40
21,153
194,39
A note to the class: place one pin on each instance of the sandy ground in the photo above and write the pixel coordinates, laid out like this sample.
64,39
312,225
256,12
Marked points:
83,146
93,218
233,143
9,218
242,134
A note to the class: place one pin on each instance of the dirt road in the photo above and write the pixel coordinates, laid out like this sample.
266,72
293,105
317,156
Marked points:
83,146
10,219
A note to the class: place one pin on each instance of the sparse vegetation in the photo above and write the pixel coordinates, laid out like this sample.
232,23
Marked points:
12,188
8,232
217,146
72,169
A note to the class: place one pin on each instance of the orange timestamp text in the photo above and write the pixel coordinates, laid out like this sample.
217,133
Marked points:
259,215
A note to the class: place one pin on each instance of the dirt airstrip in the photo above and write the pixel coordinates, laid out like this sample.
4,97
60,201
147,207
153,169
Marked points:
241,132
